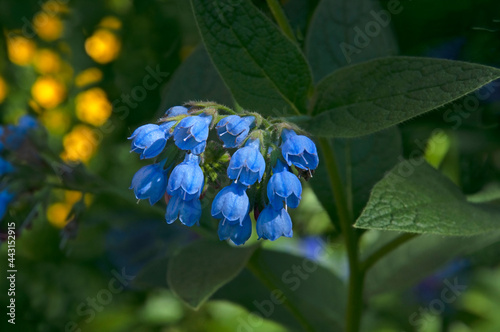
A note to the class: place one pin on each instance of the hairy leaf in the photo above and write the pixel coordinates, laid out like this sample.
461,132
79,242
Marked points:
337,34
417,198
375,95
265,71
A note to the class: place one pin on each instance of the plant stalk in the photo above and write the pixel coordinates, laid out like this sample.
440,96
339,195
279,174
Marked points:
281,19
356,276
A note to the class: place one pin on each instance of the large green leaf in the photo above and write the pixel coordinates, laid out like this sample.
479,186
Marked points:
337,35
195,79
362,163
418,258
312,291
265,71
417,198
199,269
375,95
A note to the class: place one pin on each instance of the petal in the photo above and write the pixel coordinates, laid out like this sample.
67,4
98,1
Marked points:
248,177
273,224
286,134
175,111
239,234
231,203
154,149
190,212
145,128
199,148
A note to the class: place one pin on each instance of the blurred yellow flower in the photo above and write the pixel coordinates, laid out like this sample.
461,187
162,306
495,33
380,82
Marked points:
73,196
20,50
88,76
79,145
110,22
56,121
57,214
48,27
48,92
93,106
103,46
47,61
3,90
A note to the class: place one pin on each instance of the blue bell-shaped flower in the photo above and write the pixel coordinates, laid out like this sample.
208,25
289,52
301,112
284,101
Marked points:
149,140
175,111
299,150
247,164
186,180
283,187
150,182
233,130
231,204
273,224
192,132
188,212
237,233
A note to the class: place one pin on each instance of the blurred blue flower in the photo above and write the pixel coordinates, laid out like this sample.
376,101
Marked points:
283,187
432,286
192,132
233,130
186,180
247,164
239,234
2,131
231,204
175,111
273,224
5,167
149,140
299,150
5,198
26,123
150,182
188,212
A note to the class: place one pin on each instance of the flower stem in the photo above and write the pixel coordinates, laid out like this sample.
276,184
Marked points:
356,275
281,19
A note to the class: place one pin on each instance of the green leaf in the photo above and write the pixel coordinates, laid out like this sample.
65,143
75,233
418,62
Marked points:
362,162
417,198
418,258
152,275
337,35
375,95
314,292
199,269
490,193
195,79
265,71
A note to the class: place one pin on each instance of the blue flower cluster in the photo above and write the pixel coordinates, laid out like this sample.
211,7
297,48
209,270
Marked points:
12,138
184,185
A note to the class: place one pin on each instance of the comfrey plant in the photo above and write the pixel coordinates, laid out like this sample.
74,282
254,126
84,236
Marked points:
265,157
373,180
